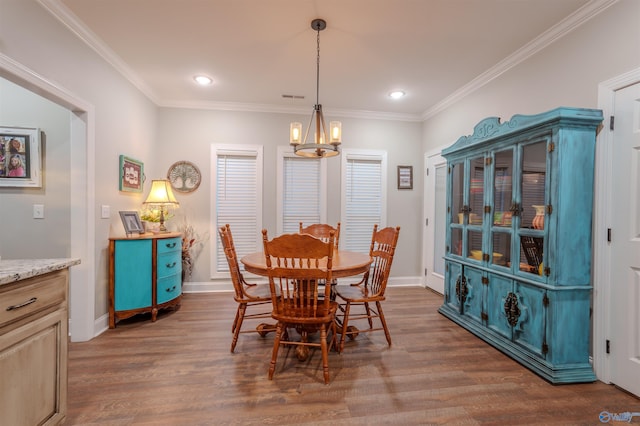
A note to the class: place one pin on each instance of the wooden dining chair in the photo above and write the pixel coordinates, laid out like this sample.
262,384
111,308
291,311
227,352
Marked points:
256,297
295,264
322,231
370,289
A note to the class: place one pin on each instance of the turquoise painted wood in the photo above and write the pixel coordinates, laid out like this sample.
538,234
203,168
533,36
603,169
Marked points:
517,279
129,256
169,267
145,275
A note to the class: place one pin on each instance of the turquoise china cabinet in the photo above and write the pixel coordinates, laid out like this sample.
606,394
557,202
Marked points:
145,275
518,241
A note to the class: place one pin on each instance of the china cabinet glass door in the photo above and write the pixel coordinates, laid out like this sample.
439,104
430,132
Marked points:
503,207
474,208
457,201
534,201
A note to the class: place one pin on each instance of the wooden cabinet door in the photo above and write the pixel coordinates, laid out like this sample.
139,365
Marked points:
473,302
133,274
33,368
530,328
453,277
498,289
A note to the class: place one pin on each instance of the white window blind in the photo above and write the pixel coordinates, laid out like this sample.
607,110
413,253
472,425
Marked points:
237,200
301,191
363,197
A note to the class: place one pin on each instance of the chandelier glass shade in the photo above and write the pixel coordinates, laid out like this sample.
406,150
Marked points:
326,141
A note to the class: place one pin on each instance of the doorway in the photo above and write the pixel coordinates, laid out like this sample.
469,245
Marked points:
435,202
617,235
82,276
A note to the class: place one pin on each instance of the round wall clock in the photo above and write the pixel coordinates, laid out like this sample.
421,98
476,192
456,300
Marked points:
184,176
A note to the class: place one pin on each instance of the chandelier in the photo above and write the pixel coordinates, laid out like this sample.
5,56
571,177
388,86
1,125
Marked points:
325,144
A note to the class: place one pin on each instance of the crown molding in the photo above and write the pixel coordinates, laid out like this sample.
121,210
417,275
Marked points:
582,15
71,21
562,28
268,108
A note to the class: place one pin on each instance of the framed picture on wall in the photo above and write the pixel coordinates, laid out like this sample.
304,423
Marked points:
405,177
20,157
131,174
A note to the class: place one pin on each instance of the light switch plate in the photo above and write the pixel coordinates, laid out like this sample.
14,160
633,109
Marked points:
38,211
106,212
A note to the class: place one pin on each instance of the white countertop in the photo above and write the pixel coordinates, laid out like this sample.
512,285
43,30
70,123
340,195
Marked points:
20,269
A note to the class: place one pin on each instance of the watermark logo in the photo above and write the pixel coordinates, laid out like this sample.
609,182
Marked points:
606,417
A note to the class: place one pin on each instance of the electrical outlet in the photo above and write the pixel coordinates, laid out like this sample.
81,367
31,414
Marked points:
38,211
106,212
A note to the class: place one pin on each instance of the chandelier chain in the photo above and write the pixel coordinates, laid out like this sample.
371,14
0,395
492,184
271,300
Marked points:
318,67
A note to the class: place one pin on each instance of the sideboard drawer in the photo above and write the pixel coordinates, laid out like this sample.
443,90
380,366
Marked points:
168,288
27,299
168,264
167,245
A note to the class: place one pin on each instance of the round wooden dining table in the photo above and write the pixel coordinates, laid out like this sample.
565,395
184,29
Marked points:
345,263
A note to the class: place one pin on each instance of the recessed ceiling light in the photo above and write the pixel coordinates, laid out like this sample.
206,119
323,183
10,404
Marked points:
203,80
396,94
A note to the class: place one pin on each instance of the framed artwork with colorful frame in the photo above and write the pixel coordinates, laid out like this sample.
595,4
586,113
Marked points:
20,157
131,174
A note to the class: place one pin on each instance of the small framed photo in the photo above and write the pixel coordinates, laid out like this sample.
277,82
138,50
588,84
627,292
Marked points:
131,174
405,177
131,222
20,157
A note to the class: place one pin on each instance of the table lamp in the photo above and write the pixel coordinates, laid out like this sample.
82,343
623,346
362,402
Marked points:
161,195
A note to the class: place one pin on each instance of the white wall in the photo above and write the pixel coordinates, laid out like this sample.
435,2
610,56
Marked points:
566,73
21,236
125,120
188,135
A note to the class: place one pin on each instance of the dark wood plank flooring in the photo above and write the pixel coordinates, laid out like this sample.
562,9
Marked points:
178,371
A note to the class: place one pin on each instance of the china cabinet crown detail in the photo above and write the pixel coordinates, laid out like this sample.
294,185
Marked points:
518,241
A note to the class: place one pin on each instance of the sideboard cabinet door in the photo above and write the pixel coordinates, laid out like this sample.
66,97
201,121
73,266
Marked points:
132,274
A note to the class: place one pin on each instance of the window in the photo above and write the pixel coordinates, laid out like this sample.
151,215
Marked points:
236,171
364,197
302,191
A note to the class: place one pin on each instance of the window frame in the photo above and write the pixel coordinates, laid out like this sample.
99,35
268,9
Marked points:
287,152
366,155
218,150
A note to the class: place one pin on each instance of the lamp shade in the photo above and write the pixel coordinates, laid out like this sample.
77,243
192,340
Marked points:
161,193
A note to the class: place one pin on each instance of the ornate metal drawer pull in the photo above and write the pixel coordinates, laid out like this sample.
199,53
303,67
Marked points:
23,304
172,245
171,265
171,290
511,309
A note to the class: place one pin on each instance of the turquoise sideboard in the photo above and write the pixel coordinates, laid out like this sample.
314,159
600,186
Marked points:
145,275
518,240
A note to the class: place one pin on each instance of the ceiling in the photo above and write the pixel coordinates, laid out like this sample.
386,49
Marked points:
256,51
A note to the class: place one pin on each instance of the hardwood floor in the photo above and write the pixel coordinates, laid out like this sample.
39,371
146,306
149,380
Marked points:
179,371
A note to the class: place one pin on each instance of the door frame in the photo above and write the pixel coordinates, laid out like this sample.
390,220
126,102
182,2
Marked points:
602,222
429,195
82,209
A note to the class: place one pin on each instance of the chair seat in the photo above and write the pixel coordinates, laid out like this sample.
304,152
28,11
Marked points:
356,294
259,291
306,315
